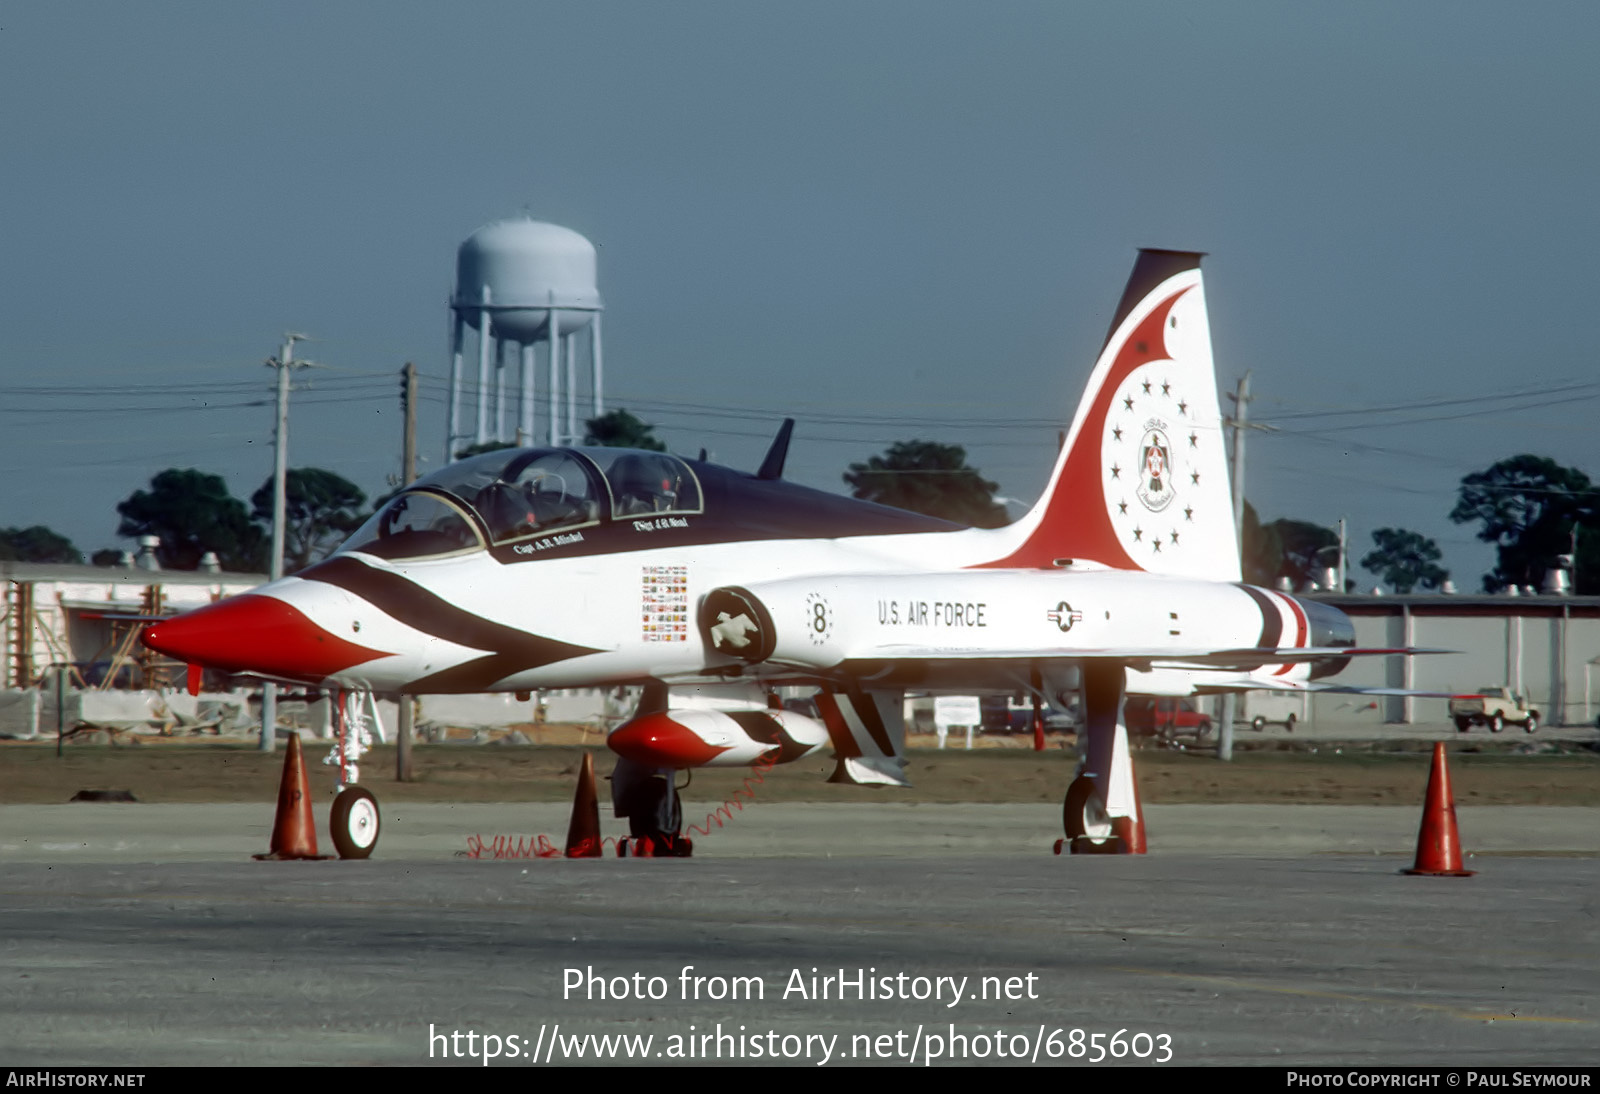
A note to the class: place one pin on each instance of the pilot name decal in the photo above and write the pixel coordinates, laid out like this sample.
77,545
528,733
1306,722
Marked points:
931,613
665,603
660,523
565,539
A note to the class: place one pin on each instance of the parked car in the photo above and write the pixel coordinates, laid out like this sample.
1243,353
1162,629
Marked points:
1260,709
1020,719
1261,721
1166,719
1493,707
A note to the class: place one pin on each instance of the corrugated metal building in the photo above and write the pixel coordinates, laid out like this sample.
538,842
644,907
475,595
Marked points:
1544,647
57,615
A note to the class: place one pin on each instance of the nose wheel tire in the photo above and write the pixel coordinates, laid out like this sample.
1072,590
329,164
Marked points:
355,822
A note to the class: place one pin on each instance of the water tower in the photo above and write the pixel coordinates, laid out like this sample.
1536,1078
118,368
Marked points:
523,283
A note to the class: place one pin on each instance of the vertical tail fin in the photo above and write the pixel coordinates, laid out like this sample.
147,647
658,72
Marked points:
1142,481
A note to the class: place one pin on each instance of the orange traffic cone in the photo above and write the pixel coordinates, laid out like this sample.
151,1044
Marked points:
294,832
583,834
1438,844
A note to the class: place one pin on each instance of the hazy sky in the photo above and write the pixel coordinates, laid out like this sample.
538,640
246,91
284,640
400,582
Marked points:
889,220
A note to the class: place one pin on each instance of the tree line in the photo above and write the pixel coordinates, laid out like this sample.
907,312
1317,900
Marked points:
192,512
1531,508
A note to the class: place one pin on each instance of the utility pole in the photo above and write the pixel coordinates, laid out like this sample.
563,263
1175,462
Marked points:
1241,401
1344,554
284,362
408,475
1240,422
408,403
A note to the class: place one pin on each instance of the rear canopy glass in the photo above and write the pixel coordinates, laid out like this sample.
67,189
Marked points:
522,493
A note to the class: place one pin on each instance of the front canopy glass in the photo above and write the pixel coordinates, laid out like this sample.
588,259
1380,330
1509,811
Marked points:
416,525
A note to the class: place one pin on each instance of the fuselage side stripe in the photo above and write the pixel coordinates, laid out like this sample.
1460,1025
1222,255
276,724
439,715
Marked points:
1271,617
1300,630
418,608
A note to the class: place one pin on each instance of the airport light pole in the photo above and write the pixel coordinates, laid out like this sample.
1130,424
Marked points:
406,713
284,362
1241,401
1240,422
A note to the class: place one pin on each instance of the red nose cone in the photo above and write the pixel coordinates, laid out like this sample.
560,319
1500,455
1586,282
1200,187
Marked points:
257,634
655,740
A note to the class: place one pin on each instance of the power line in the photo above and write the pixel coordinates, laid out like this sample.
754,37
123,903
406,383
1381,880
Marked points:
1591,386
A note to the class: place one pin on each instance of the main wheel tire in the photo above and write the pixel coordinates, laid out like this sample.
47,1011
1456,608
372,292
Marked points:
355,822
1288,723
1496,723
1258,723
1532,723
1083,814
1463,724
1204,731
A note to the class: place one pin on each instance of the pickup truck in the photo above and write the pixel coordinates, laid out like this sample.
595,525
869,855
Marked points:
1165,719
1492,707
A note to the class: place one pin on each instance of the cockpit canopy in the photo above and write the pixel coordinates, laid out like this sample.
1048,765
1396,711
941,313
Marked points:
516,494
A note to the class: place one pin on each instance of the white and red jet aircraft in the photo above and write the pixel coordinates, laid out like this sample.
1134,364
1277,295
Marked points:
578,567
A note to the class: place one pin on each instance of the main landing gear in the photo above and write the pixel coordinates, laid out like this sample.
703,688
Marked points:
1101,813
648,797
1089,829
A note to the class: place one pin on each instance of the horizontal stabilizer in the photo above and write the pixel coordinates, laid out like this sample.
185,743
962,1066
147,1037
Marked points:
1241,659
1300,687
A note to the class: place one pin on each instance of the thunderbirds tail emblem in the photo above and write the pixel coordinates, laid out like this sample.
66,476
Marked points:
1155,484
